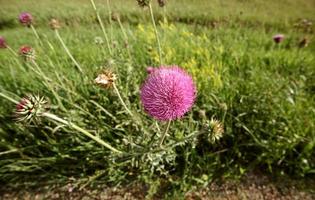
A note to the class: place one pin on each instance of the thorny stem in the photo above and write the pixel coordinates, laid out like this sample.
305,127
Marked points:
121,100
102,26
67,51
36,34
165,132
86,133
156,34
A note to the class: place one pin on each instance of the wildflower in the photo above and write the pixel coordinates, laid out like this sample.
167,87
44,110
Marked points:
54,24
30,107
278,38
27,52
143,3
105,79
161,3
3,44
168,93
26,19
215,130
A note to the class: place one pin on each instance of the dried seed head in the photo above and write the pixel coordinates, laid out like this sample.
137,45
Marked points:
54,24
98,40
105,79
143,3
161,3
27,53
30,107
304,42
115,16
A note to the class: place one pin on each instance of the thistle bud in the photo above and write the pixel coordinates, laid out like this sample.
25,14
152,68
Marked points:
3,44
54,24
105,79
27,53
161,3
143,3
115,16
30,107
213,130
26,19
304,42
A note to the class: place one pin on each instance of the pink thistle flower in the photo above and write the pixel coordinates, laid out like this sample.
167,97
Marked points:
168,93
26,18
278,38
27,52
3,44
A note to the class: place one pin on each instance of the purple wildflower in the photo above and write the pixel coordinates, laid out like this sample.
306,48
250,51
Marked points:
26,18
168,93
2,43
278,38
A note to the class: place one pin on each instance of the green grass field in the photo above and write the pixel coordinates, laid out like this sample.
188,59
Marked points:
262,92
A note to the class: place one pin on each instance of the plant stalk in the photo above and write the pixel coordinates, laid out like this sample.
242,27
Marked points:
121,100
165,132
156,34
77,128
67,51
102,26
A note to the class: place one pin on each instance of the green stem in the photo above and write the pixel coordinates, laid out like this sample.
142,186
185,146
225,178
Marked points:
121,100
86,133
125,37
36,34
67,51
102,26
8,98
110,20
165,132
156,34
11,50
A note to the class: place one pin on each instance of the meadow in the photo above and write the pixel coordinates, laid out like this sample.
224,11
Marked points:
261,92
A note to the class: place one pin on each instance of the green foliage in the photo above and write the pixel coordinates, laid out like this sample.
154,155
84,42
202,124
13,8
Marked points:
263,94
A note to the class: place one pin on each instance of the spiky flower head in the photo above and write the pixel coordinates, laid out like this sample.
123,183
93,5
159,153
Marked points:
168,93
215,130
105,79
27,53
54,24
30,107
143,3
278,38
3,44
161,3
26,18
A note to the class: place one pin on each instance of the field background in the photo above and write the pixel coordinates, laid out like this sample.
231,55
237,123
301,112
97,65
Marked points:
263,93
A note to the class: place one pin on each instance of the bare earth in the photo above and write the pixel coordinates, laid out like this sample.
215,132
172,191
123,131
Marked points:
252,187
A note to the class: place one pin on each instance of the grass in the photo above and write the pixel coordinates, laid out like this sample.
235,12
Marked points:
263,93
